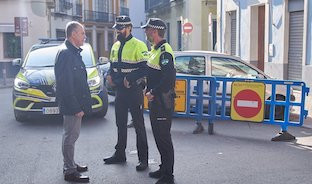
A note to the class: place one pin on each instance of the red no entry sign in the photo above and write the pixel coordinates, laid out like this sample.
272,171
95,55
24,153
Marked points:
247,102
187,27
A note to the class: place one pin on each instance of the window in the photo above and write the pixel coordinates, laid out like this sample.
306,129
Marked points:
60,33
12,46
45,56
227,67
193,65
102,6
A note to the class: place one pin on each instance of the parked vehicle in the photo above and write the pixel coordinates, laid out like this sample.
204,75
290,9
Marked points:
221,65
34,85
104,68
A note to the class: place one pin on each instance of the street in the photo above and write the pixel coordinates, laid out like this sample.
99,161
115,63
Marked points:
238,152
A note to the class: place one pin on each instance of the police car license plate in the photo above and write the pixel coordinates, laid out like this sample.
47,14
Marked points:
50,110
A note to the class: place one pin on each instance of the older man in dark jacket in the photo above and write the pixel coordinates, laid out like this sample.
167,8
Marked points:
73,97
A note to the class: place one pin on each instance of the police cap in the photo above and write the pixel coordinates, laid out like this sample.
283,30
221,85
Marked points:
155,23
122,22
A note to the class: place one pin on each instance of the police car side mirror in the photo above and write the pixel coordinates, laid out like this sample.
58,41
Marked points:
17,62
103,60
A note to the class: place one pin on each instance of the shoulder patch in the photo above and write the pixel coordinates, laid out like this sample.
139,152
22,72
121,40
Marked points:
145,53
163,48
164,61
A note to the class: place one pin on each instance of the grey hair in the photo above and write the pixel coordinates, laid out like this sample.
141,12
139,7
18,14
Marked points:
71,27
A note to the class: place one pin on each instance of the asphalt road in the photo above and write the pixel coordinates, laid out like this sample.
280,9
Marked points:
238,152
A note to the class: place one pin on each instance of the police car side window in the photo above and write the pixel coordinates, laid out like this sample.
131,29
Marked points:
227,67
193,65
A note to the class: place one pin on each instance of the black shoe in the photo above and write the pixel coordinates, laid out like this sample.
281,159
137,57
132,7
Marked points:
115,160
165,180
76,177
141,166
199,129
82,168
155,174
130,125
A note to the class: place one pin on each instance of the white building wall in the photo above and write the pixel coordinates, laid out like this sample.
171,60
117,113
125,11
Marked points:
246,32
137,15
193,40
38,23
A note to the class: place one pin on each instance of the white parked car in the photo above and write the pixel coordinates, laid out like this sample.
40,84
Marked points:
208,63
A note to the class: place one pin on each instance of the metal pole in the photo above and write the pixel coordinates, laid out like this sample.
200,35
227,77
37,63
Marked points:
21,35
4,74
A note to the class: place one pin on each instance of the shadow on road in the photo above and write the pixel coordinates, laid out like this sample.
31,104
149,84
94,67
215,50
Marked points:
55,121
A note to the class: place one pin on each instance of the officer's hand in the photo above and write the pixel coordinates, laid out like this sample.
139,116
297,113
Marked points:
126,83
110,81
80,114
149,96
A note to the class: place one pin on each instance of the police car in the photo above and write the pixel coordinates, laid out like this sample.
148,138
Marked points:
34,85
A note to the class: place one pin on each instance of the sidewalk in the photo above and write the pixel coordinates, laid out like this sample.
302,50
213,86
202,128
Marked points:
8,83
308,106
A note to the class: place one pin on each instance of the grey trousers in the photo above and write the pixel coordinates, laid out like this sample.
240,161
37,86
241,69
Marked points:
71,125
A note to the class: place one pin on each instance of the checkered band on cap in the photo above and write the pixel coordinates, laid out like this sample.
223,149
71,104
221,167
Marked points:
155,23
123,20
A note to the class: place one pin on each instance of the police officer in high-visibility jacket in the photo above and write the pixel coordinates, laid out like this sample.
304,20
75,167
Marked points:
128,66
160,93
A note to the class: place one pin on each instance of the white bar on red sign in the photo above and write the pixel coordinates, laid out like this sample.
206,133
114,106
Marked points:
247,103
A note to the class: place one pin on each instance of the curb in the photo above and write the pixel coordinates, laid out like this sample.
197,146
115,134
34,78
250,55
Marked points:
7,86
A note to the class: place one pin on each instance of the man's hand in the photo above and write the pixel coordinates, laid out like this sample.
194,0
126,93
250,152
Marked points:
126,83
149,96
110,81
80,114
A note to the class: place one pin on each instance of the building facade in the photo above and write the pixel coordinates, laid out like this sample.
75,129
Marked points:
201,14
48,18
274,35
137,15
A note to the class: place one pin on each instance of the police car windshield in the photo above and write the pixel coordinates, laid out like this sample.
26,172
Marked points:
45,57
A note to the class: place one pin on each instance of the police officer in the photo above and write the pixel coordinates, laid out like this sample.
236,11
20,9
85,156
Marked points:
160,94
128,66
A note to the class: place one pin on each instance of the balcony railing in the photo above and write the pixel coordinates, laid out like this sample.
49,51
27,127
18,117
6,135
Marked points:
96,16
152,4
62,6
124,11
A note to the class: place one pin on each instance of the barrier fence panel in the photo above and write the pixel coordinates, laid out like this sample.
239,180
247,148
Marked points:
279,101
210,98
200,96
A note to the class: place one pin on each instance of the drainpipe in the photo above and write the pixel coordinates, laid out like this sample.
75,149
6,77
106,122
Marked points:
221,26
239,30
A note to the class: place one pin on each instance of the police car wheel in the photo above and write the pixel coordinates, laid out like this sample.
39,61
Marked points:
19,116
279,110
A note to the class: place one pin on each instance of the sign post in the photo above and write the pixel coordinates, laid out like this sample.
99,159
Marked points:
21,29
247,101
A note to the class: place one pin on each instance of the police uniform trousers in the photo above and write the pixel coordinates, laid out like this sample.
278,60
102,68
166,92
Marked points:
130,99
161,119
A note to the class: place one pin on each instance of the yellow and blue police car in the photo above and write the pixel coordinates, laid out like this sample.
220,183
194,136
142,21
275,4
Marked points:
34,85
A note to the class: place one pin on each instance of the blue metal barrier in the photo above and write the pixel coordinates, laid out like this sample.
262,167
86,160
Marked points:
210,97
196,96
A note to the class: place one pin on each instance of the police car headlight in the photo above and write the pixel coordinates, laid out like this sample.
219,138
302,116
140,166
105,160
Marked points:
21,84
95,81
